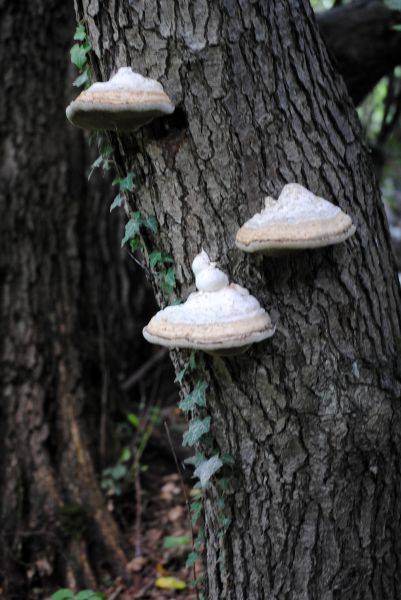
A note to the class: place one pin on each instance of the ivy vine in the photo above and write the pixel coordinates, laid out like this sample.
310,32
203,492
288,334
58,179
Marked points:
207,462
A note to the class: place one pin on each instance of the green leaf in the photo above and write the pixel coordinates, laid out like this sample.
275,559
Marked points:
176,541
107,484
196,398
133,419
63,595
200,539
86,595
167,280
126,183
82,79
196,510
119,472
393,4
180,375
80,33
102,161
158,257
192,360
155,258
117,202
132,228
151,223
191,560
135,244
196,582
125,455
78,55
197,428
195,460
228,459
207,469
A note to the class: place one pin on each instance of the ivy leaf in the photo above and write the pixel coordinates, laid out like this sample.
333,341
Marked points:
88,595
195,460
82,79
180,375
117,202
228,459
80,33
63,594
78,54
197,582
155,258
118,472
150,223
133,419
167,279
393,4
197,428
191,560
158,257
207,469
200,539
135,244
196,511
192,360
102,161
126,183
125,455
176,541
196,398
132,228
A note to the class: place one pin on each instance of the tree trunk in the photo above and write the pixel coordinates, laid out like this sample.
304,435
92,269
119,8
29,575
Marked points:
362,39
62,298
311,416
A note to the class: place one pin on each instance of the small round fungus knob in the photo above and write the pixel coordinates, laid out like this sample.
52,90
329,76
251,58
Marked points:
211,280
200,262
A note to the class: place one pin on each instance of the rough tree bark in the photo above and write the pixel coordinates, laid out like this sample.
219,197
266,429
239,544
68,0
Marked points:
312,417
61,302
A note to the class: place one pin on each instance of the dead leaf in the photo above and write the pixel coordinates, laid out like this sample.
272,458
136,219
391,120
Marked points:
136,565
160,569
169,491
170,583
154,535
175,513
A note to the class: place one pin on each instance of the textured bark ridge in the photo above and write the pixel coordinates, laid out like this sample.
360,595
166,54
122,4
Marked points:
312,415
59,302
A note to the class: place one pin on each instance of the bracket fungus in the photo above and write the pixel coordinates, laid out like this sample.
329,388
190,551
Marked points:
126,102
297,220
220,318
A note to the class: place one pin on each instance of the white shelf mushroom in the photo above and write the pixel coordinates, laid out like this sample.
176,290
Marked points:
298,219
219,318
126,102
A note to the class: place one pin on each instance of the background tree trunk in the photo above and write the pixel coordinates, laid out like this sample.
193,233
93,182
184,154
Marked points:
363,42
312,416
63,341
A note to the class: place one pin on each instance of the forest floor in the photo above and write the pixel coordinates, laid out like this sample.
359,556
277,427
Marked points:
158,528
165,543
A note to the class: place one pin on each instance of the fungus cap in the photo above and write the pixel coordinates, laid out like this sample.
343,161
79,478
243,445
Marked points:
127,101
219,318
298,219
